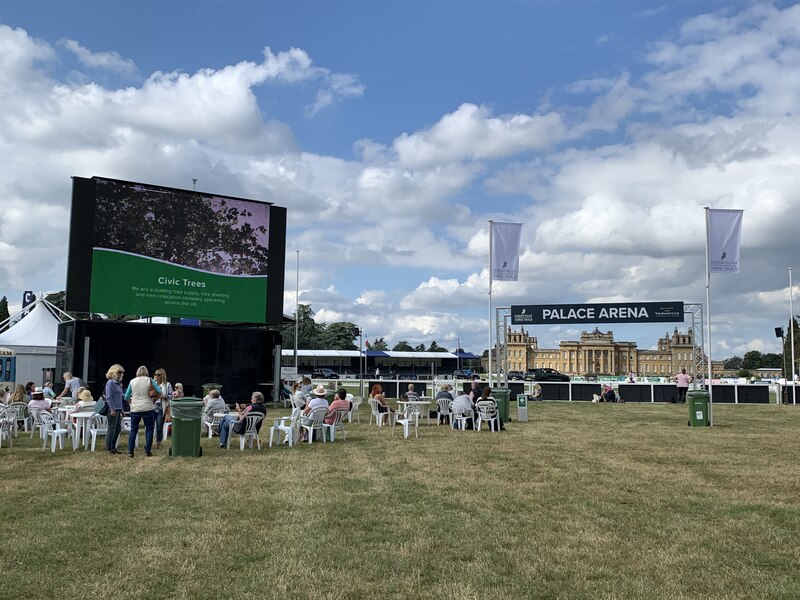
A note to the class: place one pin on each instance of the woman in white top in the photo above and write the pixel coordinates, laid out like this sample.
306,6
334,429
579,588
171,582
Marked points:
141,393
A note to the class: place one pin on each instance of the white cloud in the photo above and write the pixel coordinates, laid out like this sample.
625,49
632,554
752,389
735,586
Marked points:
394,238
471,133
110,61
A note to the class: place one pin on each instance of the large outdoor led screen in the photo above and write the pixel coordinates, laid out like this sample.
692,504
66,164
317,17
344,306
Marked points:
152,250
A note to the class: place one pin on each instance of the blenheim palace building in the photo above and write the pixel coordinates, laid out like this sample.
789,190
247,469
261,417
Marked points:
598,353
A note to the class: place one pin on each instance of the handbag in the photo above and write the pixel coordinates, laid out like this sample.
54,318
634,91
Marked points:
101,408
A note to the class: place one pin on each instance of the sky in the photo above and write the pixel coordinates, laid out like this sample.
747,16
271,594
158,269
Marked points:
393,131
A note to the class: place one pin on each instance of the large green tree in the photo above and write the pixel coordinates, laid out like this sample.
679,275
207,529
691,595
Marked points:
734,362
434,347
787,348
379,344
205,232
771,360
3,312
752,360
402,346
57,299
309,331
338,336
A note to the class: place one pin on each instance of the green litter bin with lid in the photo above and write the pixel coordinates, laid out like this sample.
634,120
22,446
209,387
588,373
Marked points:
500,396
187,419
697,400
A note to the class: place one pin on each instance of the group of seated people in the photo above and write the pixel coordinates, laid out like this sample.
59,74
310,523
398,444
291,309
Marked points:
464,403
306,401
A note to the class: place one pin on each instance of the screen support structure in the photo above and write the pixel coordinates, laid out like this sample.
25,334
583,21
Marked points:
276,375
698,356
502,317
695,309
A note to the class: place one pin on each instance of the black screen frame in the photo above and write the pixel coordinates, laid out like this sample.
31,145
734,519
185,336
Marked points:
79,260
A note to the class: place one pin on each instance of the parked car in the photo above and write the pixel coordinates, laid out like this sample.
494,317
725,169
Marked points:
545,375
324,374
463,374
516,376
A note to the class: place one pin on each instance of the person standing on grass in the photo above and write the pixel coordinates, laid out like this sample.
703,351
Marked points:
162,404
71,385
113,394
141,393
682,380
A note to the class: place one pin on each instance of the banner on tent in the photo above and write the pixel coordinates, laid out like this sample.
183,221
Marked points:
618,312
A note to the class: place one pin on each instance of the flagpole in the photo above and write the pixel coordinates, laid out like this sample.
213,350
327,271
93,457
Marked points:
791,329
296,310
708,322
490,302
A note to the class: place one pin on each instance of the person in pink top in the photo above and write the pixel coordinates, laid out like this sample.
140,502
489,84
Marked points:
682,380
340,401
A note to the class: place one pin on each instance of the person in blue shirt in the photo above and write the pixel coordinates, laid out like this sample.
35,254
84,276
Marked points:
113,394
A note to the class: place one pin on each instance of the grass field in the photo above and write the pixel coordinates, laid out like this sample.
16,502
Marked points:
583,501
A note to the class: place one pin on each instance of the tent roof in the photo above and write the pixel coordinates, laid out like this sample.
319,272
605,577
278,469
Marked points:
38,328
321,353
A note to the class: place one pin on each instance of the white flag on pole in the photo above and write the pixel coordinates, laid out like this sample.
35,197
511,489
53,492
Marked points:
505,251
724,239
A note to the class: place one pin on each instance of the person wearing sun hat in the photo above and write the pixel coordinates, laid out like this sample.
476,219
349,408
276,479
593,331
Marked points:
38,400
317,401
85,401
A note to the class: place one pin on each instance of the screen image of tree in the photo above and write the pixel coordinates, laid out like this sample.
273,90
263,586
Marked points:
158,251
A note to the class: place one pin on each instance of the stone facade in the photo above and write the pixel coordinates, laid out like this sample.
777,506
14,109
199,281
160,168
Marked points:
597,353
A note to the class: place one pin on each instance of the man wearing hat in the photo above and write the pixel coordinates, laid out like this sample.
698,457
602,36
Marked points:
317,401
38,400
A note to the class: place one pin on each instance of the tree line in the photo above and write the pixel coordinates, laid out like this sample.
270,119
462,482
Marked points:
341,335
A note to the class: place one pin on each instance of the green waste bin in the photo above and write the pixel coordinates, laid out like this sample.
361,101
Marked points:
500,396
697,400
187,419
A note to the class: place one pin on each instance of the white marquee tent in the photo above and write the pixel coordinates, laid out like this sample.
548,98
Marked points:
33,339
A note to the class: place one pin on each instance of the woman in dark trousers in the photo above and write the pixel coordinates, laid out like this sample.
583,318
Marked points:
114,394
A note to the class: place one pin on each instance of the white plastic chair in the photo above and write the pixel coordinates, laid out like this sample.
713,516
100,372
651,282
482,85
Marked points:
98,425
317,417
375,412
23,415
250,432
356,400
444,410
338,423
286,425
126,426
487,411
37,421
212,423
8,423
457,417
51,429
411,415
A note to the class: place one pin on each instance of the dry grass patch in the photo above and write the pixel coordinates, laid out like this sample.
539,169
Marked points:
585,501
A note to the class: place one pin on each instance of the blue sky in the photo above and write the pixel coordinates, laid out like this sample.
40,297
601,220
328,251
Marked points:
393,131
